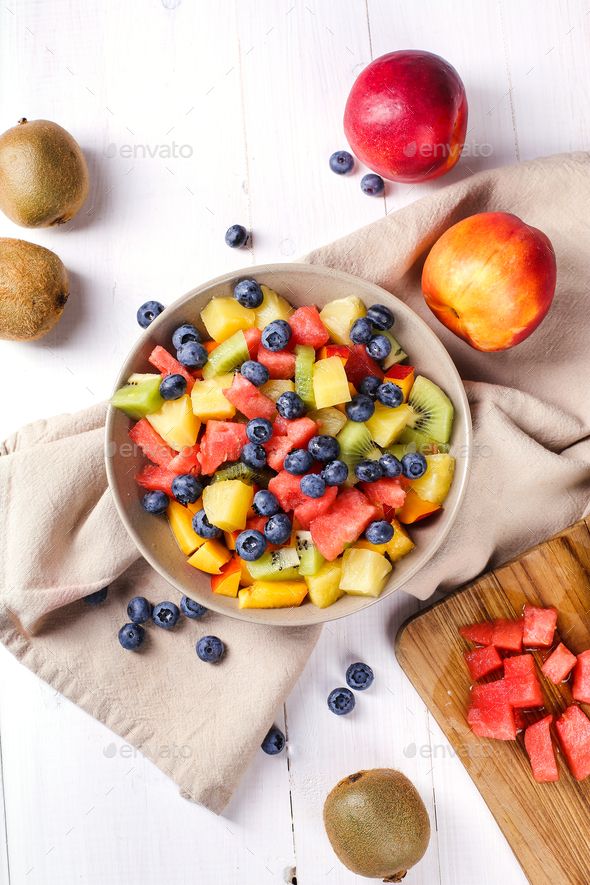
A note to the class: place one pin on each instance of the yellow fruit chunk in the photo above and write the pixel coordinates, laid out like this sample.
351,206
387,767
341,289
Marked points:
434,485
415,508
246,579
230,538
405,381
273,594
363,572
224,316
273,307
176,423
324,586
401,544
181,523
210,557
386,424
227,503
209,401
275,387
330,420
227,583
194,508
330,384
339,315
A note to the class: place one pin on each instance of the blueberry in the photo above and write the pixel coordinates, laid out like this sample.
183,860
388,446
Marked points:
148,312
236,236
368,471
341,701
185,333
369,386
259,430
192,609
278,529
203,527
298,462
290,405
131,636
361,331
97,597
186,488
255,372
335,473
391,466
276,335
139,610
250,544
359,676
379,347
379,532
313,485
155,502
390,394
360,408
210,649
248,293
192,355
372,184
166,615
274,742
414,465
173,387
265,503
323,447
341,162
253,455
380,316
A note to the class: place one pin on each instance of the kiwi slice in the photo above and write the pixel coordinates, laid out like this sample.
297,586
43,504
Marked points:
304,360
427,447
330,420
433,414
397,354
227,356
237,470
275,565
310,558
356,444
140,396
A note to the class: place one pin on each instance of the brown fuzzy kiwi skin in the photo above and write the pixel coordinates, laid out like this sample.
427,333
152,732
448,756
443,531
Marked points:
377,824
34,288
43,174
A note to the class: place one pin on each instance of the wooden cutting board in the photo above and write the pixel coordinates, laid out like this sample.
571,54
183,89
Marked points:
547,825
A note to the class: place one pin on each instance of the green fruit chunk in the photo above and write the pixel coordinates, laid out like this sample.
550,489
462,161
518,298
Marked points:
140,396
243,472
330,420
227,356
425,446
275,565
356,444
310,558
433,414
397,354
304,360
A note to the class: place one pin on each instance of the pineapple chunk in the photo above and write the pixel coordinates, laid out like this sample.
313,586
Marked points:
401,544
324,586
224,316
330,420
339,315
181,522
273,307
363,572
273,594
227,503
208,399
434,485
330,384
275,387
176,424
386,424
210,557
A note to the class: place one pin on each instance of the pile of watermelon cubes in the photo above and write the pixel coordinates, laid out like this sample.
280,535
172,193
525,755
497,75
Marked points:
497,707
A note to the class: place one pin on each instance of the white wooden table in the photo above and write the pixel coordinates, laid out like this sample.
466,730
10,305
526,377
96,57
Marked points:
196,115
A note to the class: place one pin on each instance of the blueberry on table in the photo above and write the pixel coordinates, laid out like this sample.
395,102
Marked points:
166,615
265,503
341,162
276,335
97,597
335,473
210,649
414,465
372,185
186,488
313,485
359,676
203,527
369,386
236,236
248,293
380,317
259,430
341,701
391,466
192,354
379,347
360,408
390,394
131,636
173,387
274,742
253,455
255,372
186,332
155,502
192,609
323,447
139,610
278,529
379,532
361,331
290,405
298,462
148,312
368,471
250,544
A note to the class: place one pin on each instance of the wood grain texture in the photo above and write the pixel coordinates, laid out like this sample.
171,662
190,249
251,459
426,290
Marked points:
547,825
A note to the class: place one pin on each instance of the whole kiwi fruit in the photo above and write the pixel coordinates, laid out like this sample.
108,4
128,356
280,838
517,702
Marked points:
377,823
43,174
33,290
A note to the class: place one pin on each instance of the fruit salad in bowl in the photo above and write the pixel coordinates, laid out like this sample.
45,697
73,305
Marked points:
300,442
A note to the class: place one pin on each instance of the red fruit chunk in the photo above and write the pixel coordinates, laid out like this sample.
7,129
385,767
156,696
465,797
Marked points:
151,443
253,337
480,634
246,397
559,664
359,364
573,729
399,371
581,683
280,364
186,461
538,744
156,479
385,492
277,449
490,714
520,675
539,626
314,507
482,662
345,521
222,441
165,363
307,327
287,490
299,431
507,635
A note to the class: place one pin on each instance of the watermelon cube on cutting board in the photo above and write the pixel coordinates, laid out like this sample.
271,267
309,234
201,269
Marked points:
559,664
539,746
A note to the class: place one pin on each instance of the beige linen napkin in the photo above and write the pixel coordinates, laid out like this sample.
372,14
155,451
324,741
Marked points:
61,539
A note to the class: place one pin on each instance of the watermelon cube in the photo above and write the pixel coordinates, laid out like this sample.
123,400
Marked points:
151,443
222,441
524,688
280,364
359,364
482,662
277,449
287,489
573,730
559,664
581,683
539,626
307,327
385,492
186,461
538,744
246,397
165,363
507,634
253,337
156,479
313,507
344,522
490,714
299,431
480,634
